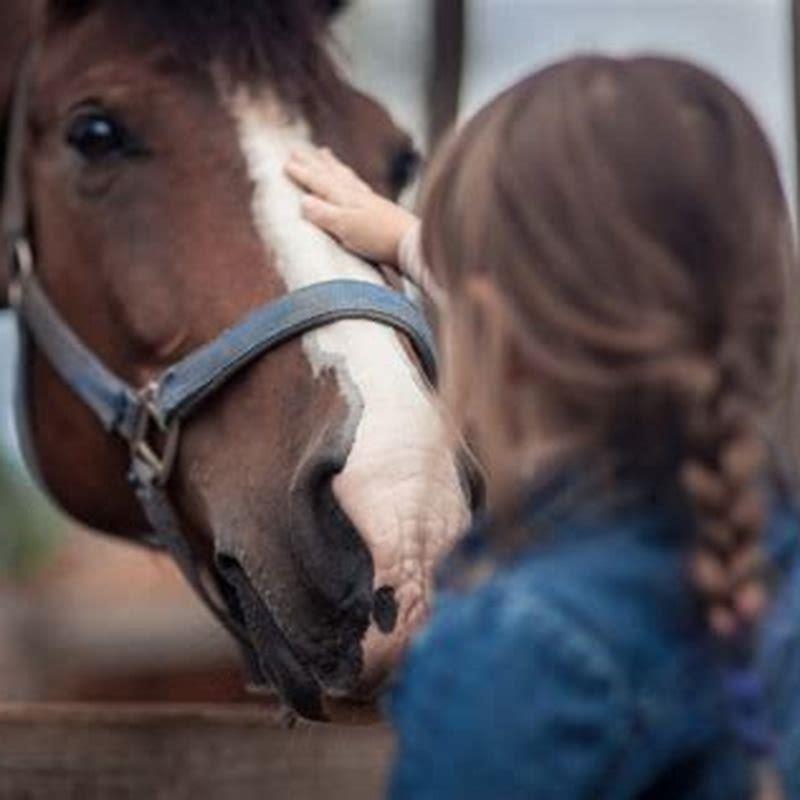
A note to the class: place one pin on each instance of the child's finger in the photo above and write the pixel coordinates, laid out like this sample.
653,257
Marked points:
322,214
327,155
306,154
341,169
312,179
311,158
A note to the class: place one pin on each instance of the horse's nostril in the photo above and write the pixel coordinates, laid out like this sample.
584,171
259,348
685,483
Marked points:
331,552
384,609
473,482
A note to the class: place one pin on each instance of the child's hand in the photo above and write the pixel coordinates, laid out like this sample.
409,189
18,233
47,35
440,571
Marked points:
344,206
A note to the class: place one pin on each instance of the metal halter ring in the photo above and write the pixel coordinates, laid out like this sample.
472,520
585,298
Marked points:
21,268
154,444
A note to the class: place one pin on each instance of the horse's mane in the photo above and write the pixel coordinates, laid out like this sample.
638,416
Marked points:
281,41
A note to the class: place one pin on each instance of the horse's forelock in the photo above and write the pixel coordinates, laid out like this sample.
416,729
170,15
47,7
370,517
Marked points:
60,11
282,41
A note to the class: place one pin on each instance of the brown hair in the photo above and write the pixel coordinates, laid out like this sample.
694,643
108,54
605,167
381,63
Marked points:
616,248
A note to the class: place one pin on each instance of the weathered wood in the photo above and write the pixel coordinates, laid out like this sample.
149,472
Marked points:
178,753
445,67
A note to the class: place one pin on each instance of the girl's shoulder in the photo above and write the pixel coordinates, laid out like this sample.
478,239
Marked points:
489,663
588,636
615,573
601,571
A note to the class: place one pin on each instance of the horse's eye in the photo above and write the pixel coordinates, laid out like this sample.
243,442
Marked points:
403,168
97,136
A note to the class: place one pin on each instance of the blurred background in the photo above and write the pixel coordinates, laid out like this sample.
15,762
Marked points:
85,618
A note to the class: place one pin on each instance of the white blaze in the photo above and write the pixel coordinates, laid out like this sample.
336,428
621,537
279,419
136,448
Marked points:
399,487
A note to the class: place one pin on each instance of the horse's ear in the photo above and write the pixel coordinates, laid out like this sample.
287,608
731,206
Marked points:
17,20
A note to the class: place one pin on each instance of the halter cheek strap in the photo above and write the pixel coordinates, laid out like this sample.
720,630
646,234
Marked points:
149,419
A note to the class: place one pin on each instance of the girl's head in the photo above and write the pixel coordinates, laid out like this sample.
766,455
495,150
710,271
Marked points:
615,243
616,248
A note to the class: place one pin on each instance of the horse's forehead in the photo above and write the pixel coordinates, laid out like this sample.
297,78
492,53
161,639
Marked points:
84,63
303,255
370,360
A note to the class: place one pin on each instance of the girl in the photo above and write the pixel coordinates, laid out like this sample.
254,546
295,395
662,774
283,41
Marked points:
612,249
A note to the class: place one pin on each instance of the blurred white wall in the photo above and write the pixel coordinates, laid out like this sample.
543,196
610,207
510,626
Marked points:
385,47
748,42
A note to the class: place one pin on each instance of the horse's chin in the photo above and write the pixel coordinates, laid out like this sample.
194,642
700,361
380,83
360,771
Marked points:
344,711
276,661
282,666
337,710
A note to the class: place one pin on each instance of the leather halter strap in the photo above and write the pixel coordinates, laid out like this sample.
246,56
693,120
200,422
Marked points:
133,414
149,418
15,195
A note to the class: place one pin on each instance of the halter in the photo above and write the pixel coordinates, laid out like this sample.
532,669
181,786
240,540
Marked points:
149,418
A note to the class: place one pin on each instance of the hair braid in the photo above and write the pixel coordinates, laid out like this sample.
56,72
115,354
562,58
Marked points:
723,478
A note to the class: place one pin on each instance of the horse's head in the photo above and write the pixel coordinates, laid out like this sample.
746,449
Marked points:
317,481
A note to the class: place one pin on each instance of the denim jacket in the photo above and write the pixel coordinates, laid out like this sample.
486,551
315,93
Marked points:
580,668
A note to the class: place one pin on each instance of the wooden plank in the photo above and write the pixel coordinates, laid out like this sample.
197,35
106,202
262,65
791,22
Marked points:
445,67
178,753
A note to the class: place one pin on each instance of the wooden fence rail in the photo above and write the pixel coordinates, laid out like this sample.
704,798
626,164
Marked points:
183,753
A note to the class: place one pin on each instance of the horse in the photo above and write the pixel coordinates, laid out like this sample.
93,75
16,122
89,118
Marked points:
317,488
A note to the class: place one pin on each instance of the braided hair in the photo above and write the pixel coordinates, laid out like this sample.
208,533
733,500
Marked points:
616,248
723,478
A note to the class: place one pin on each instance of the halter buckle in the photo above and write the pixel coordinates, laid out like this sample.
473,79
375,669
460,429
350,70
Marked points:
154,445
21,269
